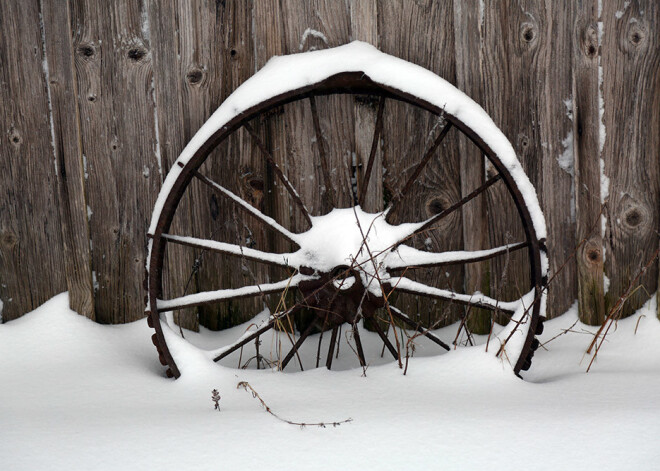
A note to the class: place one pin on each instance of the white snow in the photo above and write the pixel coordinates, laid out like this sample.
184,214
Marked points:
619,13
285,73
79,395
314,33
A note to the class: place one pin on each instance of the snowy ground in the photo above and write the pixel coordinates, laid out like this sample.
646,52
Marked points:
77,395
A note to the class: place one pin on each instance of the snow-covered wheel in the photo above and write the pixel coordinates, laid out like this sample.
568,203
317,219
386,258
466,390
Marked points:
349,263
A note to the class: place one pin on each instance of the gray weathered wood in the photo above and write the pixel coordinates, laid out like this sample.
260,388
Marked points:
410,132
553,107
68,157
31,254
173,133
131,82
116,106
591,304
631,96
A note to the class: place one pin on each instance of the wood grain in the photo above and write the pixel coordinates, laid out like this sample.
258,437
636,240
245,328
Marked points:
116,106
68,157
364,27
631,93
131,82
173,134
409,132
591,304
31,251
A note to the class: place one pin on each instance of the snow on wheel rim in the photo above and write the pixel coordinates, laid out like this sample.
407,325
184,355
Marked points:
356,68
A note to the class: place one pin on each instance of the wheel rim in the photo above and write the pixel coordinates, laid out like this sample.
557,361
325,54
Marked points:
318,280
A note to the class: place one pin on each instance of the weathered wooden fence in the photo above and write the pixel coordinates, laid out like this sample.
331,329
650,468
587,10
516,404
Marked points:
98,98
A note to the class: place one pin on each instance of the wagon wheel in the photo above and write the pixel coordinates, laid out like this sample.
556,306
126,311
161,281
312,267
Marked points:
348,263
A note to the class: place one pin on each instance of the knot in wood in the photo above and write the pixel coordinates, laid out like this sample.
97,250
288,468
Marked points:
15,138
593,255
636,36
8,239
86,50
195,75
136,53
590,41
528,32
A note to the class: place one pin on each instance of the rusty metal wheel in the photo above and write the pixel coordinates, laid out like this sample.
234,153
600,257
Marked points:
348,265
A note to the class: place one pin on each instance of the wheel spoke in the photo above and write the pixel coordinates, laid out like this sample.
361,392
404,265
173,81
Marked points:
425,160
408,257
404,317
294,349
358,345
406,285
422,226
280,259
210,297
246,338
386,341
378,129
329,191
278,171
331,348
247,207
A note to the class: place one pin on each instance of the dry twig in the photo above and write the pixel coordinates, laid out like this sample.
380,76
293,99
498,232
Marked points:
245,385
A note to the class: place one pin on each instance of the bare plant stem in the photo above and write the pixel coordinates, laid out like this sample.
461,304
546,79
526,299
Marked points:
245,385
615,312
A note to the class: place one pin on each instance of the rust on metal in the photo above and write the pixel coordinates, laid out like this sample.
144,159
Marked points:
340,306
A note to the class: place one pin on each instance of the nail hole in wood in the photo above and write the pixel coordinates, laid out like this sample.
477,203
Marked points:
91,98
233,52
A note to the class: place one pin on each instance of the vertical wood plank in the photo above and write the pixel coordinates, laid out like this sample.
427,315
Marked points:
468,22
556,180
521,75
116,105
68,157
364,27
214,55
586,131
309,26
31,256
630,90
511,50
409,132
172,133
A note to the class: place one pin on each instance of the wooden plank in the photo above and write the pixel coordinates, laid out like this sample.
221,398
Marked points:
309,26
116,105
630,90
306,26
215,55
68,157
468,24
556,178
31,258
364,27
163,20
586,130
409,132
